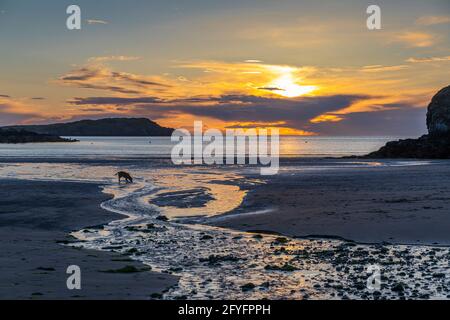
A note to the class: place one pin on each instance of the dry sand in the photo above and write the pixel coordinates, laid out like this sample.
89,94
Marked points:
35,220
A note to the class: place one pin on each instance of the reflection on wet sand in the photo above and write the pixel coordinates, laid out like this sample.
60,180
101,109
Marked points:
216,263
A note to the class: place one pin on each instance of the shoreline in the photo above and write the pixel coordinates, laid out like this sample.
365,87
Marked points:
401,205
36,219
288,192
163,245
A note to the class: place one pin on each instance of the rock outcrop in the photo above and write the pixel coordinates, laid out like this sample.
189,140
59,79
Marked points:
434,145
111,127
438,115
22,136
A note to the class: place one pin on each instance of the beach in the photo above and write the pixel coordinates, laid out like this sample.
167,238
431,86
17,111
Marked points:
392,204
36,218
225,232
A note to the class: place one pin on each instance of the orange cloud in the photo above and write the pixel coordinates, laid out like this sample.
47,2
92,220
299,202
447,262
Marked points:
380,68
224,94
326,118
96,21
113,58
415,39
429,59
17,111
432,20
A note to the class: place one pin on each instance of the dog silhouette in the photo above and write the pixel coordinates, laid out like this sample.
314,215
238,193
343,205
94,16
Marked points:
124,175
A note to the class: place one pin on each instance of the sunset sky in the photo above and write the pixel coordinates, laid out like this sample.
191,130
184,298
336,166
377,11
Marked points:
306,67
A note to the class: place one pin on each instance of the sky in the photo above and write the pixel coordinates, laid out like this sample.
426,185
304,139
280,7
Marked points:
305,67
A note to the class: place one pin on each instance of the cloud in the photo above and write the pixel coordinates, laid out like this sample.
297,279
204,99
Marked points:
100,77
391,120
4,96
305,115
327,118
428,59
294,113
139,80
380,68
113,58
432,20
97,110
222,78
10,117
270,89
245,94
113,101
96,21
82,74
415,39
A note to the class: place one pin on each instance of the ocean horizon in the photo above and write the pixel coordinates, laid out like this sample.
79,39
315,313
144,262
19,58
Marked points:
123,147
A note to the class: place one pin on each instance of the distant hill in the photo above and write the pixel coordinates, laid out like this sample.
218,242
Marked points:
132,127
22,136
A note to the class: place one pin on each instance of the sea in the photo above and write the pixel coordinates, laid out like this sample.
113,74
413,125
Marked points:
122,147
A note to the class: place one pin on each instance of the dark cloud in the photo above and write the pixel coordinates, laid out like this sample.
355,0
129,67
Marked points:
118,89
136,80
82,74
271,89
254,125
296,113
101,78
94,116
4,96
38,98
93,110
395,120
113,101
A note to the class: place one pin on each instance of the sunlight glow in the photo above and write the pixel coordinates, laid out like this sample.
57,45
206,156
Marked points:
286,85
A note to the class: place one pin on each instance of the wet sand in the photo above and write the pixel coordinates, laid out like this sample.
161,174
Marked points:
398,205
309,198
35,221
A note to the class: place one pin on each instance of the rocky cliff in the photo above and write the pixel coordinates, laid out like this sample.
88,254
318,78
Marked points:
438,115
434,145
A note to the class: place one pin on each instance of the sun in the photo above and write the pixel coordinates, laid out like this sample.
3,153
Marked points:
286,86
286,82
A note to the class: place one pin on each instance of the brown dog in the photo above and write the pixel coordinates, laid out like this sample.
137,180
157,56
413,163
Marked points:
124,175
